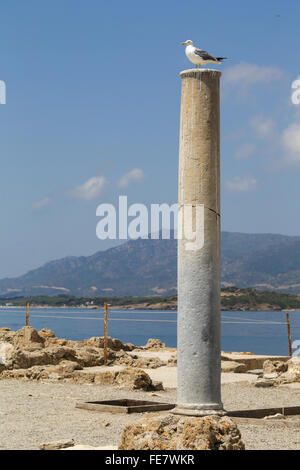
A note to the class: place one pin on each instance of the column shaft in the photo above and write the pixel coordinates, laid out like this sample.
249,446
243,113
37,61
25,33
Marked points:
199,362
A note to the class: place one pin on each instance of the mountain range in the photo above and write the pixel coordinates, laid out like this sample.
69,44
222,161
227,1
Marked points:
148,267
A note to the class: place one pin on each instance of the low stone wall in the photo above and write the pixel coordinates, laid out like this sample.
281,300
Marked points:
251,361
67,371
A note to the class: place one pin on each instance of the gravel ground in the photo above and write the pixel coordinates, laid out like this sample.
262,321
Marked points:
244,396
32,413
279,435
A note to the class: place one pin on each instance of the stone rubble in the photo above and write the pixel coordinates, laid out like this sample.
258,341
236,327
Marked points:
173,432
128,378
31,355
232,366
57,445
172,362
261,383
271,367
276,416
154,344
278,373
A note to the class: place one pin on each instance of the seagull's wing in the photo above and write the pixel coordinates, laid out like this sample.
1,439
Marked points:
204,55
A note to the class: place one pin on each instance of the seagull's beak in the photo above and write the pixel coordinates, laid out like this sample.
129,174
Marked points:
183,43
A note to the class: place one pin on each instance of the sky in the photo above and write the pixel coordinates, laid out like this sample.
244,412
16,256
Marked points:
92,112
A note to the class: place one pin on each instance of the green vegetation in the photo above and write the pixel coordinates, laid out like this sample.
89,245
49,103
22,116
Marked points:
254,299
72,301
233,298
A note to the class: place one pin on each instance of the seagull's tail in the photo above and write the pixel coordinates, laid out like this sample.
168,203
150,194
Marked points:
219,59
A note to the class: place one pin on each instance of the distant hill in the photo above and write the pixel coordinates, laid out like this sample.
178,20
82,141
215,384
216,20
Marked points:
137,267
148,267
263,261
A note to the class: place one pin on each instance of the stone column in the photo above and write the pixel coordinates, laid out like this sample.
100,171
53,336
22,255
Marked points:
199,349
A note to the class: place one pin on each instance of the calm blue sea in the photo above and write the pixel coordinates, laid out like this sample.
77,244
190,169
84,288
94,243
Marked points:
257,332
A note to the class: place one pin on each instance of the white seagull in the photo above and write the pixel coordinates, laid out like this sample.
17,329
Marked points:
199,56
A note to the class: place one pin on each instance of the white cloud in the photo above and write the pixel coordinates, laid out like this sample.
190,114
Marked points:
291,143
246,183
262,125
38,205
134,175
245,75
245,150
295,98
90,189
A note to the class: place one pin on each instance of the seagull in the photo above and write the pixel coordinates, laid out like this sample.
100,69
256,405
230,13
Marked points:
199,56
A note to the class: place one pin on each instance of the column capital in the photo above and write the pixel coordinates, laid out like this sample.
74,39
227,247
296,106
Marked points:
197,73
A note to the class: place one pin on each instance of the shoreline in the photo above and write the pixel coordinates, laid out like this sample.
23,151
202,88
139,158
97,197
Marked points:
142,308
231,299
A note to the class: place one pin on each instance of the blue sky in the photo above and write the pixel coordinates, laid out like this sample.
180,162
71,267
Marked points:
93,94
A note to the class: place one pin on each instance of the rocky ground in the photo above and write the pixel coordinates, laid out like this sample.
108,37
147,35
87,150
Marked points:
31,355
43,377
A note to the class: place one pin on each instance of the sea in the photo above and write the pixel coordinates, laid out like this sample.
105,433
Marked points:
256,332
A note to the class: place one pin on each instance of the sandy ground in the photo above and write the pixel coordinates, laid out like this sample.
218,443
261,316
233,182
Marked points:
32,413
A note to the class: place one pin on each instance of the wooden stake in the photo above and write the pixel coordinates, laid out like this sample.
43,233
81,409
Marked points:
27,313
105,332
289,333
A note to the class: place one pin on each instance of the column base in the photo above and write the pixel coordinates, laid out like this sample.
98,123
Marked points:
213,409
